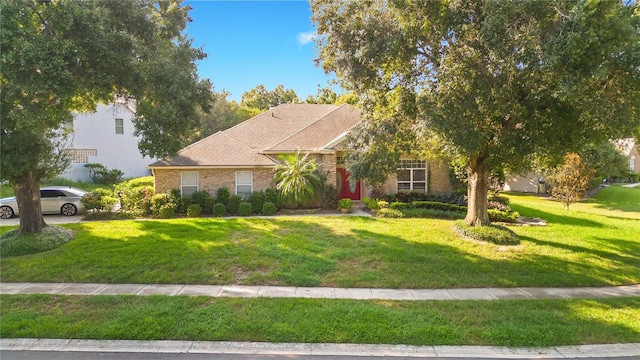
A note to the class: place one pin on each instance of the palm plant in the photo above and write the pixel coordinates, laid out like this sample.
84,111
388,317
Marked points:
298,178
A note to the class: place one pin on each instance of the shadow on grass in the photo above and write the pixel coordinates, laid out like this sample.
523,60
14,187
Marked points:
340,251
616,198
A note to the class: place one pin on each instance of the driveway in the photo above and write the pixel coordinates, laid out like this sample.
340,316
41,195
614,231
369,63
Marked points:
49,219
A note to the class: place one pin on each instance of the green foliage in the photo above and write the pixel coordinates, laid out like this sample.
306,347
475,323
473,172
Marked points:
571,180
260,98
164,205
398,205
12,243
200,197
432,213
498,235
208,205
167,211
345,203
222,195
59,57
222,115
219,209
383,204
390,213
438,206
99,174
606,161
183,204
269,209
136,195
371,204
245,209
298,178
234,204
519,79
257,199
272,195
329,196
194,210
99,200
508,216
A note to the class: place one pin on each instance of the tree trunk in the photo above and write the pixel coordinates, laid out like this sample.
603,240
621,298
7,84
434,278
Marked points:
477,190
27,191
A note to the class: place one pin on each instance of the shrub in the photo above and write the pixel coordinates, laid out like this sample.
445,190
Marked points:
244,209
269,208
438,206
200,197
208,205
183,204
371,204
99,199
390,213
256,199
501,199
222,195
167,211
136,195
194,210
99,174
330,197
508,216
496,234
219,209
234,204
345,203
12,243
383,204
432,213
497,206
272,195
399,205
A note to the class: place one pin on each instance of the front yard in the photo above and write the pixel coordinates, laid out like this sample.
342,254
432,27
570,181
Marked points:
595,243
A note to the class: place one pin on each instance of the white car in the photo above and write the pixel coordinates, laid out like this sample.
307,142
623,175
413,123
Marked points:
63,200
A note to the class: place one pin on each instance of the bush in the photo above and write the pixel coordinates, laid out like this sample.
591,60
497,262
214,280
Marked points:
383,204
234,204
194,210
330,197
136,195
208,205
200,197
272,195
501,199
345,203
269,208
496,234
167,211
219,209
12,243
222,195
508,216
371,204
390,213
99,199
256,199
99,174
245,208
432,213
438,206
183,204
399,205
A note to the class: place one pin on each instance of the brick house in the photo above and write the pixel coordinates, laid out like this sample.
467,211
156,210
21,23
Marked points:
243,158
629,148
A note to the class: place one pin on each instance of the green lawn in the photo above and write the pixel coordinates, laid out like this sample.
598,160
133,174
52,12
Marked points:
506,323
586,246
595,243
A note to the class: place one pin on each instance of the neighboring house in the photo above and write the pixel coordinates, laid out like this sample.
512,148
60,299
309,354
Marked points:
106,137
629,148
530,182
243,157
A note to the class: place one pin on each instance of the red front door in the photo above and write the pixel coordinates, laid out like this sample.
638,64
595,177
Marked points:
346,188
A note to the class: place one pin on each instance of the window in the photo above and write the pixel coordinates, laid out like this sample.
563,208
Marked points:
244,183
189,182
81,156
412,176
119,126
632,163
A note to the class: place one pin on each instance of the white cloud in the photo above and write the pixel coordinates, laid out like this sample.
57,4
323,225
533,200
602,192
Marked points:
305,37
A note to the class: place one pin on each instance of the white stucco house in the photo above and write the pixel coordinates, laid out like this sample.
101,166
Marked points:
106,137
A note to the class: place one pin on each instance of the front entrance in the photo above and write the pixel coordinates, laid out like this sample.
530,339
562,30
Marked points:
346,187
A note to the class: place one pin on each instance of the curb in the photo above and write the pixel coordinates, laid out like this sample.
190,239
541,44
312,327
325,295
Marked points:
259,348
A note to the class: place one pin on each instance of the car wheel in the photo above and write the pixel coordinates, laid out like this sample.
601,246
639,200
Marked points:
68,209
6,212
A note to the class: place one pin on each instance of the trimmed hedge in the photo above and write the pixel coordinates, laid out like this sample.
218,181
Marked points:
508,216
390,213
269,209
433,213
194,210
244,209
436,205
219,209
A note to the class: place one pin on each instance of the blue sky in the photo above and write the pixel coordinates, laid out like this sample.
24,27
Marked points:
256,42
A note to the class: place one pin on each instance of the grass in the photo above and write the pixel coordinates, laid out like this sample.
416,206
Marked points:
14,244
503,323
586,246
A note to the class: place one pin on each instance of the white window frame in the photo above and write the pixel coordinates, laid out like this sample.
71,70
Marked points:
412,166
250,184
632,163
119,126
188,185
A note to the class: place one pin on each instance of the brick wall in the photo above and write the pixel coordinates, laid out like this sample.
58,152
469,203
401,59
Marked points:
439,180
210,180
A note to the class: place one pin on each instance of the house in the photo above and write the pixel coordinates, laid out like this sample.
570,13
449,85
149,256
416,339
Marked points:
629,148
530,181
243,158
106,137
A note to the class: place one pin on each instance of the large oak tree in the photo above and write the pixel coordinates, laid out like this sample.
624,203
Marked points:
61,56
494,84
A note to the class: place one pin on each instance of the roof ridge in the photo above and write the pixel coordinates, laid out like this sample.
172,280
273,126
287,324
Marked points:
306,127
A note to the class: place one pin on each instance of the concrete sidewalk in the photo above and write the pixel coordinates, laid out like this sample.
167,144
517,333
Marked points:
320,292
632,351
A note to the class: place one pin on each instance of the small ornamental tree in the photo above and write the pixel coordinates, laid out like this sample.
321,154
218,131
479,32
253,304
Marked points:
298,178
571,180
